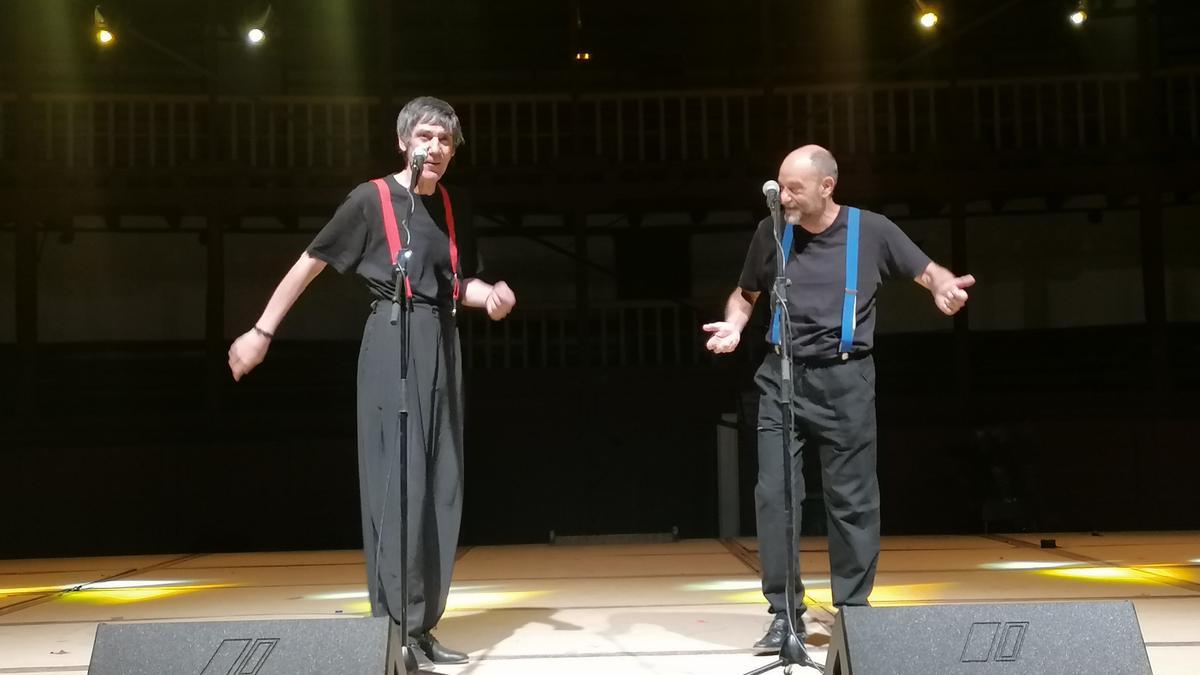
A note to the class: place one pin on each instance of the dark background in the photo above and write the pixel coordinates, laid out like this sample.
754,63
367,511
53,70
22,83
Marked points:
153,192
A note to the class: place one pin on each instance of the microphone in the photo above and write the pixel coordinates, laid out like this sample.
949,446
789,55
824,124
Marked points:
770,190
419,156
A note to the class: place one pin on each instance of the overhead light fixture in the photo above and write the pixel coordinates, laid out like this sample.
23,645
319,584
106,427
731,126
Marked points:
927,15
1080,15
578,39
256,32
104,35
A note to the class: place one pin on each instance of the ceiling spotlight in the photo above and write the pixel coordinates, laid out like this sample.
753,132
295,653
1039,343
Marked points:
104,35
256,32
927,16
1080,15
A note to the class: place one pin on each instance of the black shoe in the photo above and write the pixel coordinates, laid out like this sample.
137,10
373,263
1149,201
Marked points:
773,639
437,652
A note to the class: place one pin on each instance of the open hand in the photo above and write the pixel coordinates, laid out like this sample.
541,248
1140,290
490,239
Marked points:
725,337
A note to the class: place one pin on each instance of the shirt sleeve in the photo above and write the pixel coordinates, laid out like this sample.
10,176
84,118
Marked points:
901,257
343,241
756,259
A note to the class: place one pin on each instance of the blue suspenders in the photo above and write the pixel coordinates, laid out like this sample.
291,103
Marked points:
850,299
776,319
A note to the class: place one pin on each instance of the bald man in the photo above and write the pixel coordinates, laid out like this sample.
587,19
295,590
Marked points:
833,373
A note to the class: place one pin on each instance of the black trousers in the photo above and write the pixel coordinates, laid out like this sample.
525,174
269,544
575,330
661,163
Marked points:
835,411
435,461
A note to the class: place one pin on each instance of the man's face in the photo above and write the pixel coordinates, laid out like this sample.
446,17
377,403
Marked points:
802,192
438,142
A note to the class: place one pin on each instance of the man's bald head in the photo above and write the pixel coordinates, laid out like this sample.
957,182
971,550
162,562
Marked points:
808,176
813,156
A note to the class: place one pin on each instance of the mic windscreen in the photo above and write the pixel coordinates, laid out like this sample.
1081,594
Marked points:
769,187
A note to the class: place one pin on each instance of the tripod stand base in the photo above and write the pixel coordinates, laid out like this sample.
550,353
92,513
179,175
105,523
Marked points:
791,654
408,657
404,655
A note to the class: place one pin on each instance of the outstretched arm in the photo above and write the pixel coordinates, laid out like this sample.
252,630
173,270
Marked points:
728,333
250,348
949,292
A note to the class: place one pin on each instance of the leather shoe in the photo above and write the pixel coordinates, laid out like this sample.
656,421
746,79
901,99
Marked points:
773,639
437,652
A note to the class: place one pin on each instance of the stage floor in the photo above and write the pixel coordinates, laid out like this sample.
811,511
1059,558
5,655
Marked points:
692,606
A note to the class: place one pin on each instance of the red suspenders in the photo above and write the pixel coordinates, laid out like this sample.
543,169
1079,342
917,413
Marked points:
395,246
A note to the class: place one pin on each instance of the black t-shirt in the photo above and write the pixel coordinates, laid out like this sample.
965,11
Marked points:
354,240
816,272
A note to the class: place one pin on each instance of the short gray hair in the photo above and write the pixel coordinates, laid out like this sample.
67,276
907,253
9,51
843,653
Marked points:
428,110
823,161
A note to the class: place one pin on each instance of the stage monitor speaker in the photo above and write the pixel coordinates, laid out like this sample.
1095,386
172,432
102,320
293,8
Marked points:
272,647
984,639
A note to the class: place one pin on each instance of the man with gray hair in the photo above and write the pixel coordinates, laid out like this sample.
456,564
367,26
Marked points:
829,324
437,250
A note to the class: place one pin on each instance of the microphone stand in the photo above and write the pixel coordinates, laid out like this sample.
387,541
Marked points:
791,651
401,300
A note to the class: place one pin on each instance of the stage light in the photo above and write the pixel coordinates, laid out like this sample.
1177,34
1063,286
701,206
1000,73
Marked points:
814,588
123,584
1080,15
479,600
125,595
1102,574
32,590
583,56
1183,573
256,31
104,35
1024,565
889,594
461,597
131,590
349,595
927,15
93,586
724,585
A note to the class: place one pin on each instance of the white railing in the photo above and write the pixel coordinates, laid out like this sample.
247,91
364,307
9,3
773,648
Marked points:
613,335
1060,112
121,131
1089,112
891,118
